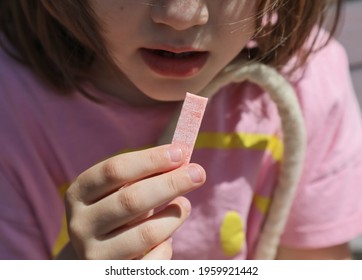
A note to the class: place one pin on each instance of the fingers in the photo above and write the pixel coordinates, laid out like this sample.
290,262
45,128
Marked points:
141,217
160,252
109,175
127,204
110,206
131,242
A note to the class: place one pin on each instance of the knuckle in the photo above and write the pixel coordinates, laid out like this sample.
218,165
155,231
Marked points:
154,158
129,201
75,229
78,225
111,170
69,198
92,254
85,243
173,183
72,191
77,192
149,235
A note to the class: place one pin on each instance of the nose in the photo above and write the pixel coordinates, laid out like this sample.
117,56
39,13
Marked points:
180,14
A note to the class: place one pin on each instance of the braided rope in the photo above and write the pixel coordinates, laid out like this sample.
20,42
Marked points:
282,93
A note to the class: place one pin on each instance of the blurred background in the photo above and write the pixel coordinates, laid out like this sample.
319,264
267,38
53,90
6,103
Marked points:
350,35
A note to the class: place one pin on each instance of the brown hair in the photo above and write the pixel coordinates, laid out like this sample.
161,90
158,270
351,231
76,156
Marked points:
60,39
279,41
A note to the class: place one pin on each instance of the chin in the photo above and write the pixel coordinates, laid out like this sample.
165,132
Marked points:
173,92
167,97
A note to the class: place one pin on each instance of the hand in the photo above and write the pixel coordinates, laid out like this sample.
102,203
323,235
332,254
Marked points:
110,206
336,252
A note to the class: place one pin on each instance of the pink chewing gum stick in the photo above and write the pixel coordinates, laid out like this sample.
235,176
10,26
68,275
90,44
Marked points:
189,122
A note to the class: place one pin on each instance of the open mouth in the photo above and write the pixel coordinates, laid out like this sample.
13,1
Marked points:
181,55
176,64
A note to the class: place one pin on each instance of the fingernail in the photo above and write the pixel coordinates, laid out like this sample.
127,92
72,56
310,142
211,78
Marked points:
175,154
195,174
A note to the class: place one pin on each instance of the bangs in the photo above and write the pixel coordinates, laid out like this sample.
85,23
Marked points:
59,40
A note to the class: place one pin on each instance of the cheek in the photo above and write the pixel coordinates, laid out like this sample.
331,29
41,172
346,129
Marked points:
115,21
239,26
237,16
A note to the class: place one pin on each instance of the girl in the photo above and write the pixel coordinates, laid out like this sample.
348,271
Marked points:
87,89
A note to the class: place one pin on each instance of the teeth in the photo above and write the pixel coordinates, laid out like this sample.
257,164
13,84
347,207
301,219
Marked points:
168,54
185,54
173,55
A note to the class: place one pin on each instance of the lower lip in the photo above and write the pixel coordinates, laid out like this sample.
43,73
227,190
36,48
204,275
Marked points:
174,67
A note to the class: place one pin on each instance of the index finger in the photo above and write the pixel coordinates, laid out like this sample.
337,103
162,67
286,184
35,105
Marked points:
110,175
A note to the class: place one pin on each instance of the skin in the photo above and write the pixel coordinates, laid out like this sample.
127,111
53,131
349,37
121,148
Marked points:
109,210
338,252
110,207
222,28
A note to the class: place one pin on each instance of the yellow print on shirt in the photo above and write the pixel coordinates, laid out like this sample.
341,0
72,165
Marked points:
248,141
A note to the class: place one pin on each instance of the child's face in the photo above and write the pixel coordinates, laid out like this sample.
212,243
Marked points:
168,47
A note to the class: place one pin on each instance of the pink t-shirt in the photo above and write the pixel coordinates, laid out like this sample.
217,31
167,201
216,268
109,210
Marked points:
47,139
